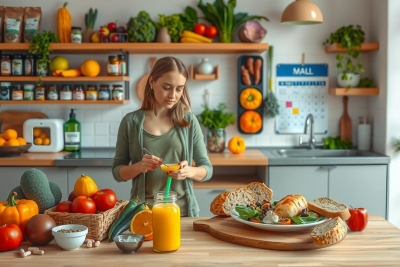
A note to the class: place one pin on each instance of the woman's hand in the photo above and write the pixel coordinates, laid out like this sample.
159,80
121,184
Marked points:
183,172
149,162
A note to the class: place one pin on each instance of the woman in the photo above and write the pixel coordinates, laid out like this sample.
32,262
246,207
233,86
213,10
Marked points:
166,127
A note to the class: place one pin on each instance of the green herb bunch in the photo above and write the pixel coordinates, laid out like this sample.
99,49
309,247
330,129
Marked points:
189,18
174,25
216,118
141,28
336,143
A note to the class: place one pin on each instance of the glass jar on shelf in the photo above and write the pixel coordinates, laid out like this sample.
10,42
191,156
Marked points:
78,93
117,92
104,92
91,92
113,66
66,92
17,93
52,92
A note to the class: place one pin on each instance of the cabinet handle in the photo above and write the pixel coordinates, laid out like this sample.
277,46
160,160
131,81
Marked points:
327,167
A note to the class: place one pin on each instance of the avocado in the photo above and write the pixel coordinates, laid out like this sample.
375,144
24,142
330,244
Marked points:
55,190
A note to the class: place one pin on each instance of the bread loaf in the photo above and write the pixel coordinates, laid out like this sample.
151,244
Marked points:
329,232
261,192
226,201
329,208
290,206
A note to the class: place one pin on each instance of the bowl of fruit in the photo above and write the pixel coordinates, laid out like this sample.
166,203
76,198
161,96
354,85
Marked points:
11,145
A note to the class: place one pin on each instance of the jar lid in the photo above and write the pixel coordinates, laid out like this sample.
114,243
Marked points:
5,84
104,85
5,56
91,85
17,56
110,57
76,28
29,86
16,86
66,87
121,56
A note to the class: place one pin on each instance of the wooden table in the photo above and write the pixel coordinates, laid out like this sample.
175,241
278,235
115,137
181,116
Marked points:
377,245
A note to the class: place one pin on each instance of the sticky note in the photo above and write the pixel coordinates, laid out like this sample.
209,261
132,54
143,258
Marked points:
295,111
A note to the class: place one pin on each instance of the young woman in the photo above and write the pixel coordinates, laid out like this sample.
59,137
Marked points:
166,127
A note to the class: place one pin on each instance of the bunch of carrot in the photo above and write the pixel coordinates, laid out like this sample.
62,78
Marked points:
254,69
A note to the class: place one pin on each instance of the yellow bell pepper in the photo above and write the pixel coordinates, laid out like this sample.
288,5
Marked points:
250,98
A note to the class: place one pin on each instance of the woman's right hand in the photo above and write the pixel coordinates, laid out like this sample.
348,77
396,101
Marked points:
149,162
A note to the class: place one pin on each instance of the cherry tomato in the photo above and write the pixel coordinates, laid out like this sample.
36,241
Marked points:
105,199
211,31
64,206
83,204
200,28
10,237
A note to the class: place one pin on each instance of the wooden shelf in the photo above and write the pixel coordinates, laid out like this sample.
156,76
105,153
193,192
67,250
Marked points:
196,76
226,182
64,79
69,102
365,47
149,48
354,91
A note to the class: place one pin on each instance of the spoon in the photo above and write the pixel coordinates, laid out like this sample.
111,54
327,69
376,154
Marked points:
148,152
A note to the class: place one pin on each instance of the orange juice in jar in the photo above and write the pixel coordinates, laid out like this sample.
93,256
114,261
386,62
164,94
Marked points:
166,223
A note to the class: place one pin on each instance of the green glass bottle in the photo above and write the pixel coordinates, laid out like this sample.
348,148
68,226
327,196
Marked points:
72,133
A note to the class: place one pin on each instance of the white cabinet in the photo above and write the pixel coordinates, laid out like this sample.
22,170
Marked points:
204,198
356,186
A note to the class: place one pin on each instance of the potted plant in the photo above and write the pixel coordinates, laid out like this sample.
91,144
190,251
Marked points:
216,120
170,28
350,67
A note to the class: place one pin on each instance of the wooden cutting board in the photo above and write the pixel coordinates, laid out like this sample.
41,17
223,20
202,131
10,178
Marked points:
229,230
16,119
345,122
142,82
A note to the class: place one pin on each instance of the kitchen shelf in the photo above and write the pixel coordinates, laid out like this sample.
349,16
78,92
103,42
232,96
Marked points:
354,91
149,48
64,79
365,47
69,102
196,76
226,182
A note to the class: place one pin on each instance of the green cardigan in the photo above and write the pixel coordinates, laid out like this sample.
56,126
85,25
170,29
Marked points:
129,150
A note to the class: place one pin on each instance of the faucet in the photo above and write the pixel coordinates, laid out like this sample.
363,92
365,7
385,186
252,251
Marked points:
312,143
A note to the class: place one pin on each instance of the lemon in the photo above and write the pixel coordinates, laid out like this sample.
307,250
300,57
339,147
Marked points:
59,63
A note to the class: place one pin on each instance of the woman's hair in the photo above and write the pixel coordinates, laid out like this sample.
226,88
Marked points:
162,66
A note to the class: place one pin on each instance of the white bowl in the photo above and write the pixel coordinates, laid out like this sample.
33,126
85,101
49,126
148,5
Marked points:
70,241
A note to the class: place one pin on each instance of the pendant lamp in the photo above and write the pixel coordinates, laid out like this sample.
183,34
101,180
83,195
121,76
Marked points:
302,12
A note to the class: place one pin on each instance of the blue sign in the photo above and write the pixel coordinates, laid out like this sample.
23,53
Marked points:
298,70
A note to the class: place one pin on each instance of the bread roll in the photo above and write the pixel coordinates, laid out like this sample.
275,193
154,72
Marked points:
329,232
329,208
261,192
226,201
290,206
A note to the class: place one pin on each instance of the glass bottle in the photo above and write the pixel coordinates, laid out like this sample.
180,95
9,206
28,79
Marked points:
122,65
76,35
113,66
29,91
29,65
16,65
72,133
5,65
216,140
166,222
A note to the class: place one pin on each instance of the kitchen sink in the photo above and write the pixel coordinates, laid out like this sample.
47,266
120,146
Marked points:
314,153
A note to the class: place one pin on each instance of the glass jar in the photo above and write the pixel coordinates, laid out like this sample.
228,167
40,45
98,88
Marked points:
16,65
29,65
216,140
5,65
91,92
113,66
41,66
104,92
52,92
40,93
17,93
29,90
166,222
65,93
76,35
78,93
5,91
122,65
117,92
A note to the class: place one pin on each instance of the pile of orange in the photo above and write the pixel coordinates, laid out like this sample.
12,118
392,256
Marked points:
142,224
40,137
10,138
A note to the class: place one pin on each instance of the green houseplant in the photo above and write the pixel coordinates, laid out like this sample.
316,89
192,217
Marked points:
222,16
173,24
216,120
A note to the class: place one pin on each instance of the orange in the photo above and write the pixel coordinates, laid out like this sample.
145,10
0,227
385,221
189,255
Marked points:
38,141
37,132
43,135
2,141
1,135
90,68
21,140
13,142
46,141
10,134
142,224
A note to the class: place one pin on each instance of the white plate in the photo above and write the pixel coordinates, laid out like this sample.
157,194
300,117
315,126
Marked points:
276,227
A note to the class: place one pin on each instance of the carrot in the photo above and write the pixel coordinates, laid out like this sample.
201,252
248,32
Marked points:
250,65
245,76
257,71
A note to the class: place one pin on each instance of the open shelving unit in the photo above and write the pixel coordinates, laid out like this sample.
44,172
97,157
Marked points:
365,47
64,102
64,79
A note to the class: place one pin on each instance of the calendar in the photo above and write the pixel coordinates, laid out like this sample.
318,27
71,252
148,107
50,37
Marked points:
301,90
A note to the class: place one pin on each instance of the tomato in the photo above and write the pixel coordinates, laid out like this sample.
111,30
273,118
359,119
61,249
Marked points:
211,31
358,219
200,28
105,199
64,206
83,204
10,237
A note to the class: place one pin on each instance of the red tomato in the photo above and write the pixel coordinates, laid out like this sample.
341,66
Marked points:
10,237
200,28
83,204
358,220
105,199
64,206
211,31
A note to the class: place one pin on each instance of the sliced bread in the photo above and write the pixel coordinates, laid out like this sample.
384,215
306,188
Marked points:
261,192
329,208
329,232
226,201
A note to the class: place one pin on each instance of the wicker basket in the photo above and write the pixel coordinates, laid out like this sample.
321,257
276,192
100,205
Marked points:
98,223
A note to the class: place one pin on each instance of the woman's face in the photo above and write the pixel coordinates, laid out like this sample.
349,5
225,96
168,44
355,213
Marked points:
168,89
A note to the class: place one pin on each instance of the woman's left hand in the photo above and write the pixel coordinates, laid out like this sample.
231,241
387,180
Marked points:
182,173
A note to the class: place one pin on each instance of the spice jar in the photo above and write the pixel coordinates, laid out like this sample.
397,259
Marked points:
78,93
16,92
65,93
29,91
122,65
113,66
40,93
76,35
5,65
104,92
16,65
117,92
52,92
5,91
41,66
166,222
29,65
91,92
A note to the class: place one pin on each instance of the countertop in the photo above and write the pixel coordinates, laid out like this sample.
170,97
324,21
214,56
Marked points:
377,245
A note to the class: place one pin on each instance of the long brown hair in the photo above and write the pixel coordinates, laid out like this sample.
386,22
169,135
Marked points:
162,66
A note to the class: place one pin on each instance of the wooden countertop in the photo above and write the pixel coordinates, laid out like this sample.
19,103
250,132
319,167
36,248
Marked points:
377,245
33,159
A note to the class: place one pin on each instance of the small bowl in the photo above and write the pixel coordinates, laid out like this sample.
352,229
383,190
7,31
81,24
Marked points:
170,167
70,241
129,243
13,151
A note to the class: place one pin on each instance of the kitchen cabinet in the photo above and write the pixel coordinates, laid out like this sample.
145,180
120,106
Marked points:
355,185
204,198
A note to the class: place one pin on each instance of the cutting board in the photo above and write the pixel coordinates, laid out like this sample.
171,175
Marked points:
16,119
143,81
229,230
345,122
